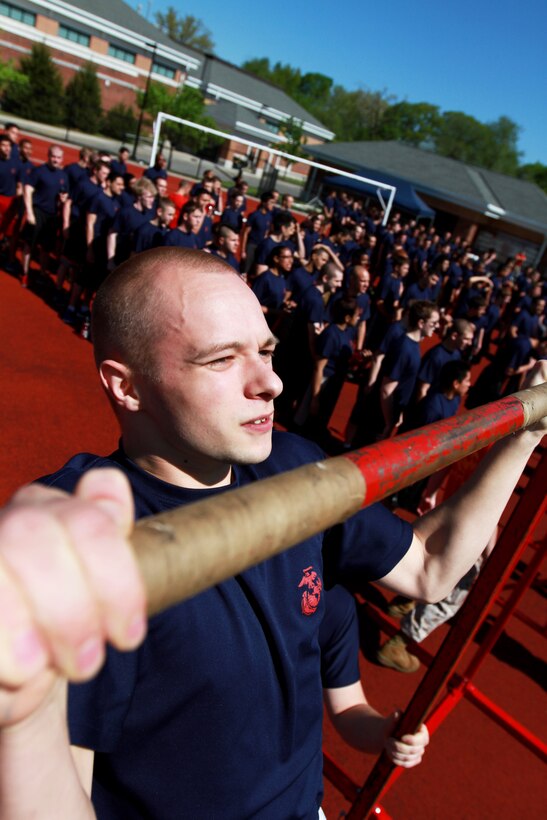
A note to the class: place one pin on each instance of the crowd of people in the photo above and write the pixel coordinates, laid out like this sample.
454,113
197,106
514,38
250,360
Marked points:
213,708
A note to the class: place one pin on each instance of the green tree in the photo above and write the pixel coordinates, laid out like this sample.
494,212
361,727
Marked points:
413,123
489,145
504,156
41,98
293,131
119,122
9,75
534,172
463,137
186,103
83,100
355,115
188,30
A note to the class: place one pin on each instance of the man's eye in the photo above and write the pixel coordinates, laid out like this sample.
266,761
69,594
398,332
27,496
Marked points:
224,361
267,354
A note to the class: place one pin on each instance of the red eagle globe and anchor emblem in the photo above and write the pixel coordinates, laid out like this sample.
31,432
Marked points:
311,595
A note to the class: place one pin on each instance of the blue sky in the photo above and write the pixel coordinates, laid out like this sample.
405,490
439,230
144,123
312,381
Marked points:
486,59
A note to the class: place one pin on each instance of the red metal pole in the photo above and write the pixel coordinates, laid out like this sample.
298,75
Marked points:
484,592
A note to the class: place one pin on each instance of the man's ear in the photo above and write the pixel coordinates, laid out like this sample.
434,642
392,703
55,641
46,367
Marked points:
117,380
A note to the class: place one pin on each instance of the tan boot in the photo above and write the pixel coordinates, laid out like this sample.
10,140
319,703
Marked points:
395,655
400,606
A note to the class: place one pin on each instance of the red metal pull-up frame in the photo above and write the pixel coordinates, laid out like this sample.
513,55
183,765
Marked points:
514,539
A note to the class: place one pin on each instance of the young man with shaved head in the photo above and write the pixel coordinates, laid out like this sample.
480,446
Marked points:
217,711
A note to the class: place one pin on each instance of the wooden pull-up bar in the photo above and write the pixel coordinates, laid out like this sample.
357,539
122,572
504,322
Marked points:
187,550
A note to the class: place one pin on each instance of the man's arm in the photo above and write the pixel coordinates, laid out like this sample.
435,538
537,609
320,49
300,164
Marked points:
387,403
363,728
421,390
63,596
28,191
449,539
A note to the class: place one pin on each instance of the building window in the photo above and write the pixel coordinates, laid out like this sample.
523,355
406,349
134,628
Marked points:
74,36
121,54
22,16
164,70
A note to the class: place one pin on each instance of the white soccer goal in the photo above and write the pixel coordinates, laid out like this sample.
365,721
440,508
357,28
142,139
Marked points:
380,186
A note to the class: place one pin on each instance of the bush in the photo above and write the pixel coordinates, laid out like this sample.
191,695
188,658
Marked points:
118,122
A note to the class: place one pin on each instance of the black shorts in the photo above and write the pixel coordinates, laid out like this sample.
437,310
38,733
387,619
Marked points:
44,232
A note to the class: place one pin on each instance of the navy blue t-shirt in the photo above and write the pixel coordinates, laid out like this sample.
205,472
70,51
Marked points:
434,361
339,640
401,365
259,223
181,239
48,183
269,289
9,176
218,713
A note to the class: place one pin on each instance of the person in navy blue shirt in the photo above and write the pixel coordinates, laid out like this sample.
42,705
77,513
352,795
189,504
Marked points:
333,350
458,339
186,235
45,195
121,237
119,165
257,228
155,232
217,712
378,417
225,245
9,185
158,170
270,286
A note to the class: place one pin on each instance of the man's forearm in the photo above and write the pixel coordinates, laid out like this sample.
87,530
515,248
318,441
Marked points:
454,534
38,777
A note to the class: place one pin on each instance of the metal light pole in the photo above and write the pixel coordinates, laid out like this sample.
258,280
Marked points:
144,101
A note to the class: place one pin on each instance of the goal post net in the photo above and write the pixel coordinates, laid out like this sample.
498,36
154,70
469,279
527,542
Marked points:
271,158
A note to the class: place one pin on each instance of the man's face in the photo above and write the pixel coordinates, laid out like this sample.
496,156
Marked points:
334,281
13,133
285,260
229,242
117,186
194,220
539,307
288,230
319,259
55,158
205,202
430,325
462,388
237,202
147,199
161,186
166,215
464,340
5,149
123,156
363,282
25,149
101,174
211,402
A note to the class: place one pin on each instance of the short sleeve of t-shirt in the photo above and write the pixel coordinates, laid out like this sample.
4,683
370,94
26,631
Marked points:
339,640
366,547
